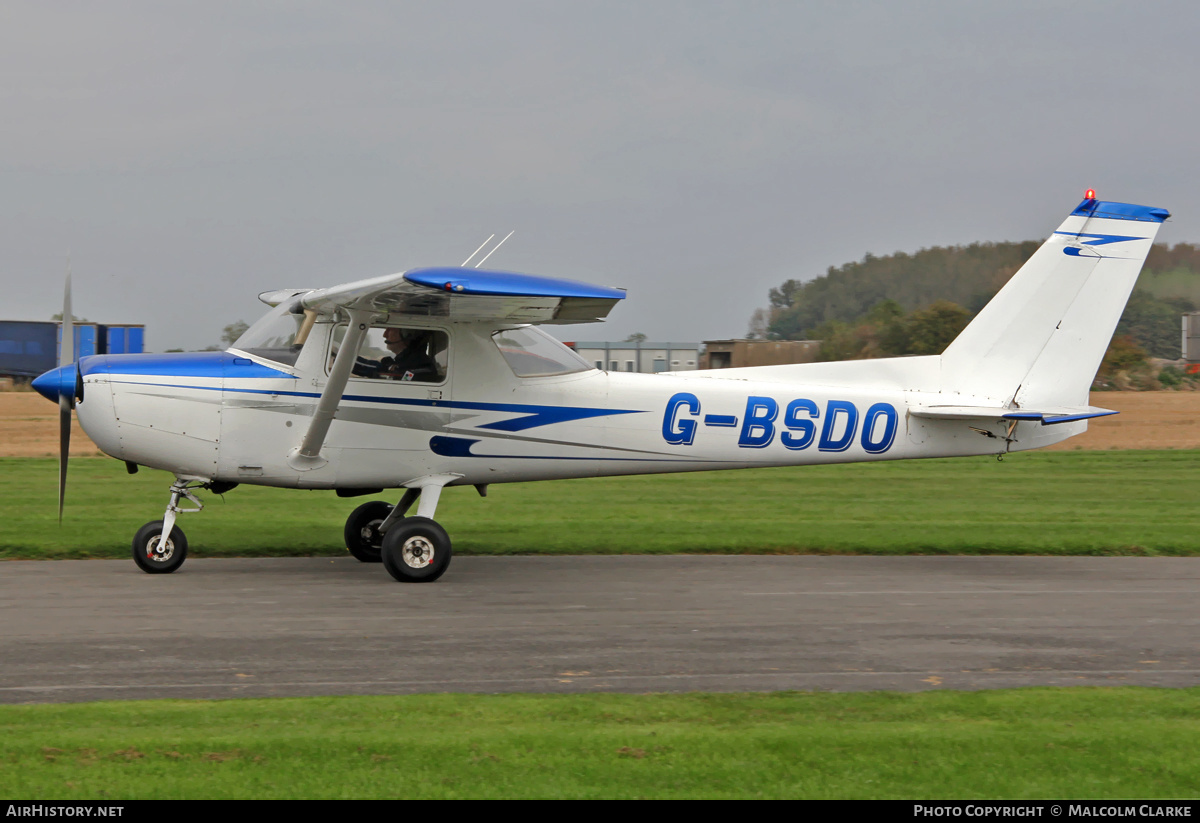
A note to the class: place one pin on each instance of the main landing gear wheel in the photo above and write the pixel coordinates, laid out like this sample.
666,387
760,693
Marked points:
363,537
159,557
416,550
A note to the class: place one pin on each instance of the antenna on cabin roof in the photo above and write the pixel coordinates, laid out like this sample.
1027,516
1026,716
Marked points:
493,251
481,245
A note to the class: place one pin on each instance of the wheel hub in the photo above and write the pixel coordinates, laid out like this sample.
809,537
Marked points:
160,550
417,552
370,533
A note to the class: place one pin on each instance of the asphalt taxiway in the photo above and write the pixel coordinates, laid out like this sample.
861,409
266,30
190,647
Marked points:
101,630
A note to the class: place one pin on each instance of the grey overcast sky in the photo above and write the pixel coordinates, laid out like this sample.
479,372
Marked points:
192,155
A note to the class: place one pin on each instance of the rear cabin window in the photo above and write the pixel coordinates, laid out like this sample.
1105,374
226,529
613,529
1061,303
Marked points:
530,352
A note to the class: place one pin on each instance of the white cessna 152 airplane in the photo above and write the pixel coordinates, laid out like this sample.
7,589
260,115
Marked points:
440,377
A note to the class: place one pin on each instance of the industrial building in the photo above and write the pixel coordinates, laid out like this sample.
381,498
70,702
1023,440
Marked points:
646,357
734,354
1191,337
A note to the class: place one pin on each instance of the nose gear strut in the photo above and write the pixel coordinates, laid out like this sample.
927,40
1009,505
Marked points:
160,547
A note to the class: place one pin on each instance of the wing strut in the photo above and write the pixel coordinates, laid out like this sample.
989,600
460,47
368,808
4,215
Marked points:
307,456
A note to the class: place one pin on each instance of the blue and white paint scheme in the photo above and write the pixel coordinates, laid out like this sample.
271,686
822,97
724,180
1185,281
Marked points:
288,405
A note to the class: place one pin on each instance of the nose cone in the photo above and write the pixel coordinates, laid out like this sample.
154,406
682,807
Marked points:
56,383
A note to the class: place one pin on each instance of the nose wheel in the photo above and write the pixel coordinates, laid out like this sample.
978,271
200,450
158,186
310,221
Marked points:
154,555
160,546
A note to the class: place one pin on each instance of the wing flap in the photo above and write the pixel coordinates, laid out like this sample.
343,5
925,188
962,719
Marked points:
1046,416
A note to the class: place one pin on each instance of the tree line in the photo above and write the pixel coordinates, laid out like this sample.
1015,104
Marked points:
917,303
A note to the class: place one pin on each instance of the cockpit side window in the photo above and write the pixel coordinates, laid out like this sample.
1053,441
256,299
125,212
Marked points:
406,354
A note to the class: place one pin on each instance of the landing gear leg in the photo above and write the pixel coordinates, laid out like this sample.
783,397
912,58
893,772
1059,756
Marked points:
160,546
417,549
401,509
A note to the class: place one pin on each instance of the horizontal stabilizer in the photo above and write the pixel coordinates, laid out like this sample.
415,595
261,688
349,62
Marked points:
471,294
1047,416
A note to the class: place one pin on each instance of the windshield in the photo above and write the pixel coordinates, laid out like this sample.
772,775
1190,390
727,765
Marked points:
531,352
273,336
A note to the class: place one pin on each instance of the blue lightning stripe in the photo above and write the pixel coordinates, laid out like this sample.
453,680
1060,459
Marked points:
461,447
535,415
543,416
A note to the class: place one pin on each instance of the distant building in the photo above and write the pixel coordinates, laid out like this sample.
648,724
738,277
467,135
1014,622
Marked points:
648,357
1191,337
733,354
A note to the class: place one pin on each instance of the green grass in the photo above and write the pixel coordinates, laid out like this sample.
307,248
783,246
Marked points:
1062,503
1027,743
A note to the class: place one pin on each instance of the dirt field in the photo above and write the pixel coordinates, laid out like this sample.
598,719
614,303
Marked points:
1148,420
29,428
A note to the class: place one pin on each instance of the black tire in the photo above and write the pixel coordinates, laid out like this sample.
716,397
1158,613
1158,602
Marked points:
362,531
164,562
416,550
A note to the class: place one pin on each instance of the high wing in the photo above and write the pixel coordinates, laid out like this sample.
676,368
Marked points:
450,292
460,293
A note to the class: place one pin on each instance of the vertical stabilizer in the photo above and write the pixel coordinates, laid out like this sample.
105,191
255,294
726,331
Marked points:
1042,337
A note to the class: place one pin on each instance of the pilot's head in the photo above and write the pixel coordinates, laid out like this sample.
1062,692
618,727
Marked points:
398,340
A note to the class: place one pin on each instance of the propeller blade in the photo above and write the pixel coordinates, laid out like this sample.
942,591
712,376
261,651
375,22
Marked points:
64,447
65,402
66,352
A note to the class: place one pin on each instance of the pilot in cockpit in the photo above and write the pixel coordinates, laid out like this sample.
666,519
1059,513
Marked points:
412,358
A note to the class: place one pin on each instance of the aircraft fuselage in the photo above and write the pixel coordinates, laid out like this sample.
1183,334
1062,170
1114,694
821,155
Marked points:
235,417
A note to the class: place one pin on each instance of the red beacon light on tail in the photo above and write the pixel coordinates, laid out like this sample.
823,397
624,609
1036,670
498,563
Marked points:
1090,194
